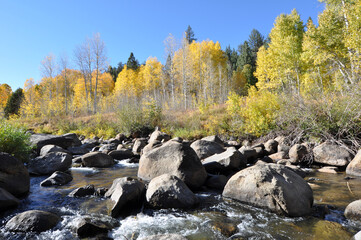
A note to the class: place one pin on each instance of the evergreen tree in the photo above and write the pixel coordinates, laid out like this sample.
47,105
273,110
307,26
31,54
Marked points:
255,41
190,35
245,55
232,56
114,71
13,103
132,63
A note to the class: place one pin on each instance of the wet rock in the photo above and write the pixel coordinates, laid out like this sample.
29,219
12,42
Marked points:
139,144
32,221
87,190
97,159
271,146
278,156
271,186
176,159
51,148
353,210
14,177
206,149
159,136
354,168
164,237
331,154
57,179
328,169
101,191
108,148
168,191
121,154
229,160
77,160
330,230
51,162
90,227
298,153
40,140
214,138
7,200
226,228
127,194
216,181
357,236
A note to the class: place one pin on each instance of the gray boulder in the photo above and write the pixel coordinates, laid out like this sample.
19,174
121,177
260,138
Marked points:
87,190
168,191
14,177
49,163
271,186
106,148
81,150
51,148
126,193
176,159
249,153
216,181
354,168
151,145
353,210
32,221
57,179
205,148
298,153
97,159
121,154
271,146
229,160
40,140
214,138
278,156
7,200
331,154
74,138
139,144
159,136
91,227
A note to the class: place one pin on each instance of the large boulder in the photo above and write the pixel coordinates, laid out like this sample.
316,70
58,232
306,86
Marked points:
106,148
49,163
226,161
126,193
90,227
331,154
159,136
354,167
40,140
275,157
249,153
271,186
121,154
14,177
214,138
176,159
298,153
74,138
57,179
51,148
32,221
353,210
216,181
205,148
7,200
271,146
97,159
168,191
138,145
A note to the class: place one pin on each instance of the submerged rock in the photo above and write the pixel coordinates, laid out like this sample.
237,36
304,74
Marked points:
226,228
206,149
168,191
97,159
330,230
271,186
353,210
87,190
57,178
331,154
14,177
90,227
49,163
32,221
174,158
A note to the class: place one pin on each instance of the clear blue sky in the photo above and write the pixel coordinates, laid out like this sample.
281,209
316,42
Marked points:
30,30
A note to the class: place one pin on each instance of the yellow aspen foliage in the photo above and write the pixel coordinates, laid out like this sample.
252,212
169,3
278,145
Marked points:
152,73
5,92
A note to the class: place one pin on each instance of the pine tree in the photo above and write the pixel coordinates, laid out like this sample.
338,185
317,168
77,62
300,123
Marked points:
190,35
245,55
132,63
13,103
255,41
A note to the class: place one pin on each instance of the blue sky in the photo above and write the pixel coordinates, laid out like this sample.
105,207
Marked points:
30,30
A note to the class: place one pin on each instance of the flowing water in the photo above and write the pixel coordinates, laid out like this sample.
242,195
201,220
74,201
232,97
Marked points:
237,221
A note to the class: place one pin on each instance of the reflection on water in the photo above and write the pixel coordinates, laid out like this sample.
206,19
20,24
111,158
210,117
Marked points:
250,222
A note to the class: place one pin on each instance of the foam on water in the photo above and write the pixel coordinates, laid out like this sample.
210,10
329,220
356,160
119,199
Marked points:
126,164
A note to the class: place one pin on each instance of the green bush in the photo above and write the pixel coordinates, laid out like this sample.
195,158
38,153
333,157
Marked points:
14,140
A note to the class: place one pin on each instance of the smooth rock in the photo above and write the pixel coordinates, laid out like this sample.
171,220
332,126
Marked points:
229,160
74,138
354,168
298,153
249,153
353,210
216,181
14,177
108,148
78,150
32,221
168,191
90,227
273,187
278,156
271,146
139,144
40,140
206,149
7,200
51,162
214,138
57,179
159,136
176,159
328,169
51,148
331,154
87,190
121,154
97,159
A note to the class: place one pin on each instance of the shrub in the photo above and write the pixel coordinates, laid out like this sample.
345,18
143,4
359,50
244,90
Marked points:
14,140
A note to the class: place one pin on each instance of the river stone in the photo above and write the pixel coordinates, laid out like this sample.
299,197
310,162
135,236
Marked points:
353,210
78,150
354,168
329,230
159,136
7,200
151,145
32,221
231,159
127,193
271,186
97,159
328,169
331,154
90,227
40,140
168,191
74,138
57,178
14,177
297,153
49,163
51,148
87,190
216,181
214,138
271,146
121,154
139,144
164,237
106,148
206,149
120,137
226,228
275,157
357,236
176,159
249,153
